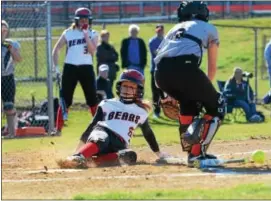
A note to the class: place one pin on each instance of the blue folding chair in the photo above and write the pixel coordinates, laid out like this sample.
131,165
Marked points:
232,112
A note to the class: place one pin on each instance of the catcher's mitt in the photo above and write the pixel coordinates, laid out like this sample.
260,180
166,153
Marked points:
170,108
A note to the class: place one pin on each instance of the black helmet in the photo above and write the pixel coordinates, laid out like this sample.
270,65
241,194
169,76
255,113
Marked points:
193,9
82,13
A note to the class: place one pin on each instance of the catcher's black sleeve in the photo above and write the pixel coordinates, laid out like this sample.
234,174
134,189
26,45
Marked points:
149,136
98,117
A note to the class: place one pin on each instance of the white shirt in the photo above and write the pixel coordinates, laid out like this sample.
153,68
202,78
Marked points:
122,118
77,52
174,45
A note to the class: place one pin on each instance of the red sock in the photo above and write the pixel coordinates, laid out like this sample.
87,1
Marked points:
89,149
93,110
59,119
106,158
196,149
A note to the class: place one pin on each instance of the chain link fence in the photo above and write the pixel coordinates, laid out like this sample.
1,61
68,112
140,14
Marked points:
27,26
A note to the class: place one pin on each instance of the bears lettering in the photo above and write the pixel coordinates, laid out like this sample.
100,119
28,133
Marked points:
123,116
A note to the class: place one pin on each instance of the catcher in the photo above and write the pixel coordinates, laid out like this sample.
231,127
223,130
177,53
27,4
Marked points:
108,136
178,74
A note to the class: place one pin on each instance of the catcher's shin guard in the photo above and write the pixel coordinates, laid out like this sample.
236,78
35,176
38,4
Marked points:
201,132
185,121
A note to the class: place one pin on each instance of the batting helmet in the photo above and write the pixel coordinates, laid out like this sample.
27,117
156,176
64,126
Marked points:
193,9
82,13
135,77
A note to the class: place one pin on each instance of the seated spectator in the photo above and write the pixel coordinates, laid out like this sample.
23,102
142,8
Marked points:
133,51
240,95
106,54
267,98
267,56
103,83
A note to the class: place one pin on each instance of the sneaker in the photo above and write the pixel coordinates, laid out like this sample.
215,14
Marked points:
127,156
255,118
191,158
56,133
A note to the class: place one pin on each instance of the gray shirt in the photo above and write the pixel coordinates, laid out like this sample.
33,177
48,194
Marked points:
173,45
7,63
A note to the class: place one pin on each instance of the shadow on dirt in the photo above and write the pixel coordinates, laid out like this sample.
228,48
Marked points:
239,170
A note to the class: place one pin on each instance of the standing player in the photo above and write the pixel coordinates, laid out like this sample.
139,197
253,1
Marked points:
81,42
10,54
109,134
178,73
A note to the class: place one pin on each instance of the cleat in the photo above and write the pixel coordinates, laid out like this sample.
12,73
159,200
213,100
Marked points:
194,161
127,156
76,161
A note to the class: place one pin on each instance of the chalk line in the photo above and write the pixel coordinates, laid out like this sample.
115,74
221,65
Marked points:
217,175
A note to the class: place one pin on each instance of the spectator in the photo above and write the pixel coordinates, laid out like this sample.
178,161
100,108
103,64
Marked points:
133,51
241,95
267,56
10,55
106,54
81,42
103,83
153,46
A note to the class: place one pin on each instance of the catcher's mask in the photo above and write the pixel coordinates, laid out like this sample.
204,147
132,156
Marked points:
130,93
188,10
82,13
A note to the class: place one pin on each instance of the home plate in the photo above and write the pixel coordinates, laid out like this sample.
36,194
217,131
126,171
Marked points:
52,171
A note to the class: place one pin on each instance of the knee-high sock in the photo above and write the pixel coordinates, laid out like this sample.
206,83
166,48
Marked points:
110,157
89,149
12,123
93,110
59,119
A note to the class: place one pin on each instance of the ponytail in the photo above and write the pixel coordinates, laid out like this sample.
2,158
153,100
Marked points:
144,104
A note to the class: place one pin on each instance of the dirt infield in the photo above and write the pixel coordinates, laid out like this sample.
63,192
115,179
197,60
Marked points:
36,175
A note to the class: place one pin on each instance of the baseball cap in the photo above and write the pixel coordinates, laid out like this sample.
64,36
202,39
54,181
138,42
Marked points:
159,27
103,71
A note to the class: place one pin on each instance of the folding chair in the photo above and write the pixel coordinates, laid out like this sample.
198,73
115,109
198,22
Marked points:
232,112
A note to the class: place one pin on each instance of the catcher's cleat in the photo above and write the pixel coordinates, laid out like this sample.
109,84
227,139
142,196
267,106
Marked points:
192,160
127,156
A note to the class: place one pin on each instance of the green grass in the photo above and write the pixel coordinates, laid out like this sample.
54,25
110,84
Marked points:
166,133
236,49
248,191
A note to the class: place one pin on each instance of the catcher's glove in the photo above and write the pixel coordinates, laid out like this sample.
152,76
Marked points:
170,108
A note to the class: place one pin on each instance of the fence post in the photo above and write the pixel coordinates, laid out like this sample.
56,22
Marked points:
256,61
49,69
141,9
35,44
162,6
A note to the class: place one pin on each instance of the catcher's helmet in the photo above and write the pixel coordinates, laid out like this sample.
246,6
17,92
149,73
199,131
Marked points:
193,9
82,13
135,77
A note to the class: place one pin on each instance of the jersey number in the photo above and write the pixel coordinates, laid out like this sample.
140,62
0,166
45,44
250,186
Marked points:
85,49
180,33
